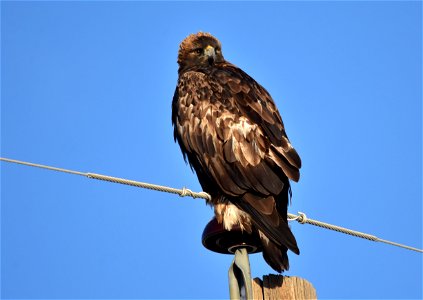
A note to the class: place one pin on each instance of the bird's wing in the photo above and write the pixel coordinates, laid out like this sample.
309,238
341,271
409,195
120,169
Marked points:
258,106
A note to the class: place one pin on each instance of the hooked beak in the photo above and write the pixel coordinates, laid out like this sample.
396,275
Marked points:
210,53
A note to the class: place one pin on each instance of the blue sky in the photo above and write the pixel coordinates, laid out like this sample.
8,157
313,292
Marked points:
88,86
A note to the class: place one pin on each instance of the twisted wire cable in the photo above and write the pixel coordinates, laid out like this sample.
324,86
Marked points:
184,192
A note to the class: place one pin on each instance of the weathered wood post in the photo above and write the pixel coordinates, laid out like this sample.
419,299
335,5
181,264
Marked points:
272,287
278,287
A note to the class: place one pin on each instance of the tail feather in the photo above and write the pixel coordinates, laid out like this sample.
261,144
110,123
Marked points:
273,228
280,234
275,256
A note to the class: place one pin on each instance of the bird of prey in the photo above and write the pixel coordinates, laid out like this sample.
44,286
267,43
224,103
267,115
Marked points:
230,131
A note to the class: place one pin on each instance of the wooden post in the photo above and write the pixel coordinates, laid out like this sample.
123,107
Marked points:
277,287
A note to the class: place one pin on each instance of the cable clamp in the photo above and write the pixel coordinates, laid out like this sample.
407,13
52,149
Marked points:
302,218
186,192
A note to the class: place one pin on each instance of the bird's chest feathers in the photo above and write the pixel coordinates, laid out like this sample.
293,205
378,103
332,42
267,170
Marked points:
195,88
210,122
202,104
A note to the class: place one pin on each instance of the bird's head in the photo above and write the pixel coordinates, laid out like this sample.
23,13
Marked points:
199,50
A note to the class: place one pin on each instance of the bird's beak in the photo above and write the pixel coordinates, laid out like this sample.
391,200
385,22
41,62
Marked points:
210,53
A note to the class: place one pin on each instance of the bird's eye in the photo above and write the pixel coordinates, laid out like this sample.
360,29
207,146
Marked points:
198,50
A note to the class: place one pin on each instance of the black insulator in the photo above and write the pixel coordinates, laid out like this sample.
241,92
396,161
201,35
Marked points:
216,238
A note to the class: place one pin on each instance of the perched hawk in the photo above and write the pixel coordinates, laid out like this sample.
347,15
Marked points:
231,132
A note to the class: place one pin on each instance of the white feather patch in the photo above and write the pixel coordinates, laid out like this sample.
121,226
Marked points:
231,216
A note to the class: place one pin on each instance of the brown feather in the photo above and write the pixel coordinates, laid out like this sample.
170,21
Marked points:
264,205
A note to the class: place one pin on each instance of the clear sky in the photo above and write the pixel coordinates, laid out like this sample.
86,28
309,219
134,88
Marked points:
88,86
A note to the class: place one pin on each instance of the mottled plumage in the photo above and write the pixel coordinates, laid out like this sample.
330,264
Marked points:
232,135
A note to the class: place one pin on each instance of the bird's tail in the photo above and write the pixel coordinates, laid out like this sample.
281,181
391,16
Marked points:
275,256
275,234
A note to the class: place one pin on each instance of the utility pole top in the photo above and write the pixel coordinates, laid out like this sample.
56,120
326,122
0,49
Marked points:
278,287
